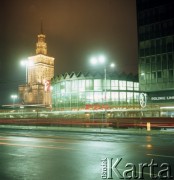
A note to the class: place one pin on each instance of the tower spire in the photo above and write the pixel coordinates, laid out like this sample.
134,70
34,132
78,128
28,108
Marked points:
41,46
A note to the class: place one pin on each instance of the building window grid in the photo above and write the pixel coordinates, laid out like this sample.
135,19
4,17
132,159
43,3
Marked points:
74,99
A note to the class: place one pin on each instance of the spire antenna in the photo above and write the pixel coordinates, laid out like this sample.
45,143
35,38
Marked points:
41,27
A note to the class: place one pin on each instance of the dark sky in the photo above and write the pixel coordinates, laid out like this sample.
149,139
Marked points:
75,30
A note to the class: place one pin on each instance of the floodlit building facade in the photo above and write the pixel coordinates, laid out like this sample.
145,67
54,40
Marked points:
39,71
91,91
156,50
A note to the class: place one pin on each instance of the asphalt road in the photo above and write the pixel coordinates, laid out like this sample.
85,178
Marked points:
48,155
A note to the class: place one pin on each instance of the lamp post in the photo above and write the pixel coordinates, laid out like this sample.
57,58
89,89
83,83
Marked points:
102,60
14,96
26,63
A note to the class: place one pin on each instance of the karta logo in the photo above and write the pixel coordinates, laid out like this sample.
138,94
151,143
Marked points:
111,169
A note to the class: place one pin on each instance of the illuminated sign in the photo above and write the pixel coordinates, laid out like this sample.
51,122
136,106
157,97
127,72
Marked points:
161,96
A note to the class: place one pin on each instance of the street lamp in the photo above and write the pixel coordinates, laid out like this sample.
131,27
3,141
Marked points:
96,60
14,96
26,63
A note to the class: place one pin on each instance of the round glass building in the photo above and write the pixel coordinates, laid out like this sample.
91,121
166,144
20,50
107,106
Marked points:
85,91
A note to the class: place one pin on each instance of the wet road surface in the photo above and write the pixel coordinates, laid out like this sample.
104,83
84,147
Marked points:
47,155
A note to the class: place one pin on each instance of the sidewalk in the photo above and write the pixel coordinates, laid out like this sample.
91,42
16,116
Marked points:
91,130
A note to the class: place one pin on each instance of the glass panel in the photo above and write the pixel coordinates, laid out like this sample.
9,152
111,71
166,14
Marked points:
122,96
136,97
122,85
89,85
74,85
130,97
68,86
114,84
97,84
114,96
136,86
89,97
97,96
62,87
81,85
129,85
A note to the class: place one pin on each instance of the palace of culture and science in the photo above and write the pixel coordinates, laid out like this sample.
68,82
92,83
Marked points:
39,71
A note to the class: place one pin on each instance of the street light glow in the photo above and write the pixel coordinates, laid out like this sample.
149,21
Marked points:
14,96
93,60
101,59
26,63
112,65
23,63
98,59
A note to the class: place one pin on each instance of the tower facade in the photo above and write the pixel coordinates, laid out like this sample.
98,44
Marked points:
39,70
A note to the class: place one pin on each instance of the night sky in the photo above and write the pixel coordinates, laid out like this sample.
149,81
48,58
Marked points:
75,30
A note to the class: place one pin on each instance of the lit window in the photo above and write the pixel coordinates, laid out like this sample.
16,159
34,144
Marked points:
129,85
130,97
88,84
75,85
89,97
122,96
98,97
136,97
114,84
97,84
68,86
136,86
81,85
122,85
114,96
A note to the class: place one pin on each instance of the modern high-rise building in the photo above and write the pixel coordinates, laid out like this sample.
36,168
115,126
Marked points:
155,22
39,71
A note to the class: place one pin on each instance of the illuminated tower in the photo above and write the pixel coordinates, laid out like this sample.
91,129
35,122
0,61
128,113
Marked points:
40,70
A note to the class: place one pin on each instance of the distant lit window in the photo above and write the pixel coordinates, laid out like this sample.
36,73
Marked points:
122,85
81,85
136,86
62,86
136,97
108,84
130,97
114,84
74,85
108,98
68,86
98,97
114,96
89,97
89,85
122,96
129,85
97,84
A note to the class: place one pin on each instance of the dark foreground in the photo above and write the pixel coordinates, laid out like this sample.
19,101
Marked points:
49,155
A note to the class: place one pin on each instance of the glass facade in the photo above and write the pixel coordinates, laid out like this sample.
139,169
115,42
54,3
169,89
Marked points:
156,44
85,91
